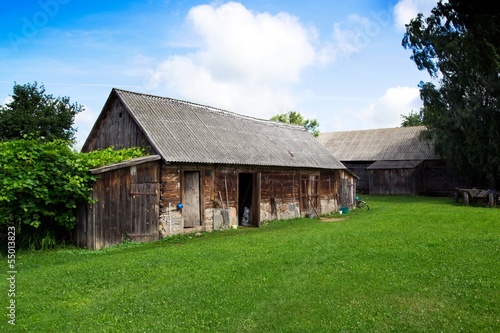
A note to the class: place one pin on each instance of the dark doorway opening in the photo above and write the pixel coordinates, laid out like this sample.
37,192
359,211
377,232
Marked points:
245,196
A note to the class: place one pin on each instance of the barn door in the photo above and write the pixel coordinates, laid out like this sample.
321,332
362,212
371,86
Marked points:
144,204
309,193
144,211
191,211
304,192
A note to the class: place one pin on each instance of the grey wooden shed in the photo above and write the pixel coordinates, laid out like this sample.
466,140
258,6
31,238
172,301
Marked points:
391,161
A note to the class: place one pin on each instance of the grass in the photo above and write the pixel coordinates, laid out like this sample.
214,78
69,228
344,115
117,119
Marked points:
408,265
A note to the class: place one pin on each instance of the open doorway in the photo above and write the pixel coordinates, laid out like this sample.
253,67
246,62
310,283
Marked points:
245,198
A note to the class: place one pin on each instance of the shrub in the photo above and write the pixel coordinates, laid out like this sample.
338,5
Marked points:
41,183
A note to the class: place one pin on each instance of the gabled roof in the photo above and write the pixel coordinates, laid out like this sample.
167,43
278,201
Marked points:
181,131
386,144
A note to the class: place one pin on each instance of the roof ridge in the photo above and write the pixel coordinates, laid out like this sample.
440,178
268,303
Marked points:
215,110
421,127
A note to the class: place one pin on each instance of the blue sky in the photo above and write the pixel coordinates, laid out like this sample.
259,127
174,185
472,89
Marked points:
340,62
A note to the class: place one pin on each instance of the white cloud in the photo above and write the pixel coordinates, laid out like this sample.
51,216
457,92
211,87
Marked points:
405,10
387,110
355,34
6,100
246,62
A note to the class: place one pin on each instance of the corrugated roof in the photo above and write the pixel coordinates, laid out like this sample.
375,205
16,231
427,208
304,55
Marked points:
389,144
181,131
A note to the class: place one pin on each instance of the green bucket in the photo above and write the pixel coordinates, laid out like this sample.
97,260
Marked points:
344,210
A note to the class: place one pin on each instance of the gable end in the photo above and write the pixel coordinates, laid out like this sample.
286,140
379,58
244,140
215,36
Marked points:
115,127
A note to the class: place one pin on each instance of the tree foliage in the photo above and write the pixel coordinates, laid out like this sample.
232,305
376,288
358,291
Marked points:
35,113
293,117
41,182
412,119
459,46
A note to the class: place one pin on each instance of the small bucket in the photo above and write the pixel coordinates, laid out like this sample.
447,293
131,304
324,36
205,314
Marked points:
344,210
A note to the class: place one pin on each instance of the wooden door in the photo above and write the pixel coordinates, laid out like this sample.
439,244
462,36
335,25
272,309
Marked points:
144,203
191,200
309,193
304,193
144,207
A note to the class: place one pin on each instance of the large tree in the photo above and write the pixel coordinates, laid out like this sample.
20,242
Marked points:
293,117
35,113
459,46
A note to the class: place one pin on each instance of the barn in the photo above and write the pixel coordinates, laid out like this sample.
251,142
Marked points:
391,161
208,169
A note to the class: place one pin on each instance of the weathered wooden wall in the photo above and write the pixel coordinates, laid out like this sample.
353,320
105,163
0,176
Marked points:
431,178
225,183
141,201
329,184
281,193
127,207
330,190
394,181
117,129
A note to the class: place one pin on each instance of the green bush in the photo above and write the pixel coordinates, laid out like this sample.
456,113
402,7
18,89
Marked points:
42,182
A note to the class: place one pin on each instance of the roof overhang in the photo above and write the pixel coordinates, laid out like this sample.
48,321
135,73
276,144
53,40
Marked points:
385,165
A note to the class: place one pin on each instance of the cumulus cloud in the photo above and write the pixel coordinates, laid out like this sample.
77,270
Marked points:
387,110
405,10
252,62
245,61
6,100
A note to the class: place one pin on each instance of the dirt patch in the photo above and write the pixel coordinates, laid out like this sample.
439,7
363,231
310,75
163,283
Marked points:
333,219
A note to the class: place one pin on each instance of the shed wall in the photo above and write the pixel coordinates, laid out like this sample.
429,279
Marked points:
277,191
394,181
126,207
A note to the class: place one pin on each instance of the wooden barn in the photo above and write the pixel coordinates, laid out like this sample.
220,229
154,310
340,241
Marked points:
209,169
391,161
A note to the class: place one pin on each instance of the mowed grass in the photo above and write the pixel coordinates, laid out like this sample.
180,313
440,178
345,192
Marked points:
408,265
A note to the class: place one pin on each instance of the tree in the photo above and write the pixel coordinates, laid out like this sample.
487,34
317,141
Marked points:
296,118
412,119
35,113
459,46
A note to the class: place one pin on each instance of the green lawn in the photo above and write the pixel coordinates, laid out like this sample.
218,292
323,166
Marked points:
408,265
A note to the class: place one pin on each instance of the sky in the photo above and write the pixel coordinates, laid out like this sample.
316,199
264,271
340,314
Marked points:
340,62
